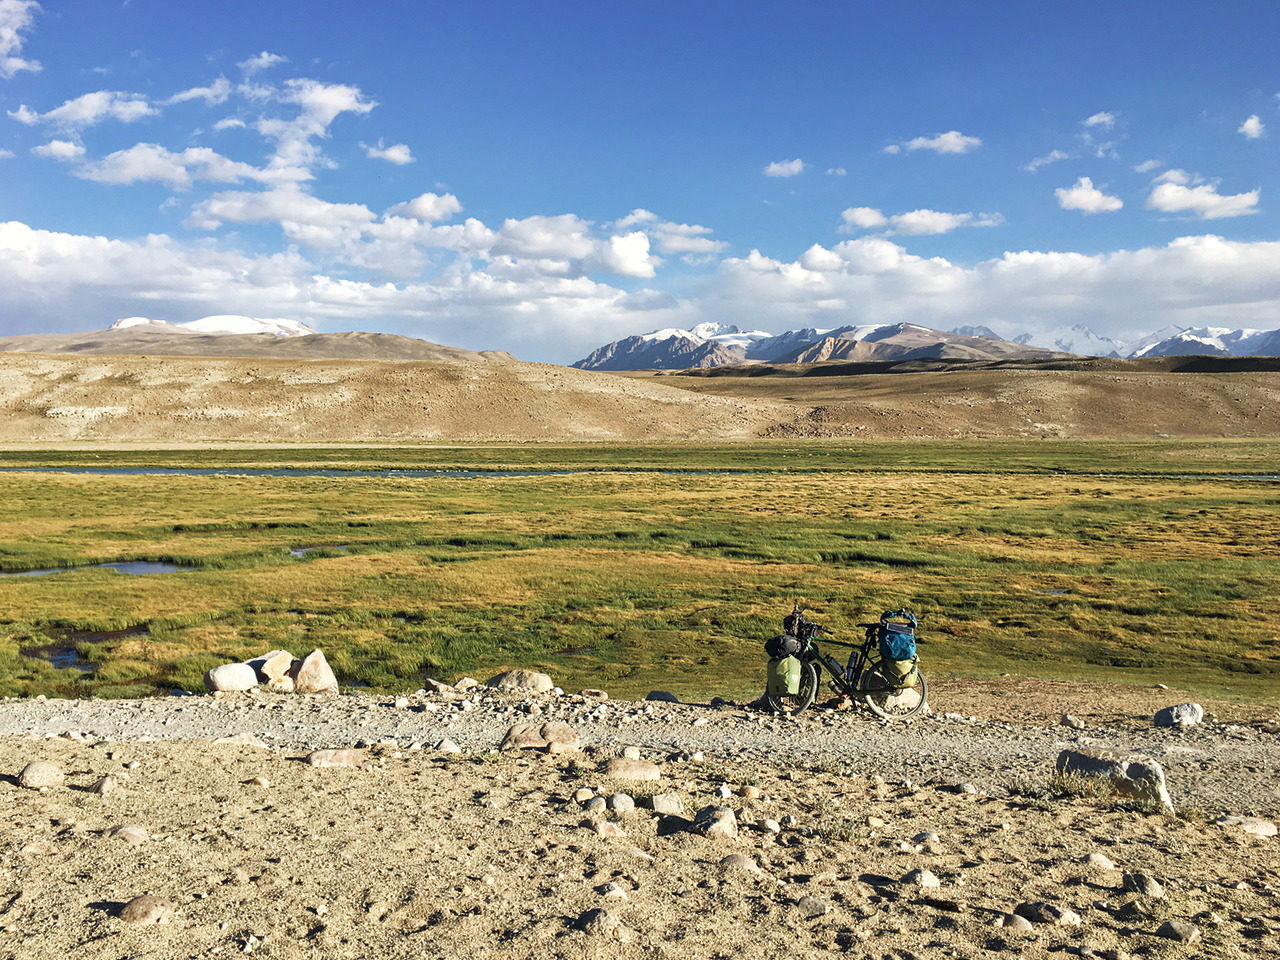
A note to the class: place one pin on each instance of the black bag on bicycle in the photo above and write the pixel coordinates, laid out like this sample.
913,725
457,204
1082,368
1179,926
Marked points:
782,646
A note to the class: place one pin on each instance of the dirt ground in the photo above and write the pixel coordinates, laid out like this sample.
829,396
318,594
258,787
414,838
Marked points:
485,854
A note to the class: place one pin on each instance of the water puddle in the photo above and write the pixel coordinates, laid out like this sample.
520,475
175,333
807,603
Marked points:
298,472
1052,593
301,552
130,567
65,652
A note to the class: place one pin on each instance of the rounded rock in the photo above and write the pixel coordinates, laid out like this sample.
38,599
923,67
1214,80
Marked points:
41,773
231,678
147,909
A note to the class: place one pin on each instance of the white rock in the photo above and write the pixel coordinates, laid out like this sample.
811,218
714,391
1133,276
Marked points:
336,758
529,681
448,746
147,909
924,879
622,802
1180,715
41,773
312,674
1099,861
130,833
273,665
1252,825
1133,775
231,678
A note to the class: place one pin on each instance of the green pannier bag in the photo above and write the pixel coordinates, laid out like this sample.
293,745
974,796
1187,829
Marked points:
784,676
902,673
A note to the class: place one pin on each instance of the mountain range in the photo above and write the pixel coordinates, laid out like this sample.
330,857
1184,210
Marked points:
713,345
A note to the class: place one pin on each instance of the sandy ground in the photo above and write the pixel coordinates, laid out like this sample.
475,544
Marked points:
421,853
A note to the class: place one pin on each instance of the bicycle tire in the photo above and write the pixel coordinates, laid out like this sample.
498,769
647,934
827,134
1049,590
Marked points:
888,702
808,692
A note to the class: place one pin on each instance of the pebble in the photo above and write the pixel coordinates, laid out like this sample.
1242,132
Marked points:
336,758
258,781
130,833
924,879
1143,884
448,746
751,792
714,821
739,861
606,924
583,794
811,907
1038,911
622,802
1255,826
1099,860
107,785
1075,723
1016,923
147,909
596,805
771,826
669,804
613,891
41,773
631,753
1178,930
629,768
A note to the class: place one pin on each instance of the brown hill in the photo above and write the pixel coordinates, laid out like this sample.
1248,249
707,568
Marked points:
149,341
49,397
909,341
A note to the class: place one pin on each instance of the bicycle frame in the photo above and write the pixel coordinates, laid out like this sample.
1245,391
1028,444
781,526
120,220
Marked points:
846,679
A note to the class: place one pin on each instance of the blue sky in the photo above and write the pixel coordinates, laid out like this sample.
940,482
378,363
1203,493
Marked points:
547,177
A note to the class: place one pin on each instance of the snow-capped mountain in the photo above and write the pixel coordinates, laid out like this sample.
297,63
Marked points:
1075,339
1213,341
221,323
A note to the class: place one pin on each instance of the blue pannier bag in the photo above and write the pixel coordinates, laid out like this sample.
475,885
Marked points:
897,641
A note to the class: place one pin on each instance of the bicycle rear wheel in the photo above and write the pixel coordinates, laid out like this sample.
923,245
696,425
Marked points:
889,701
807,691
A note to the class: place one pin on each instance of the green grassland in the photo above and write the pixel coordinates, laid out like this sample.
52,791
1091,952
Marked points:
640,580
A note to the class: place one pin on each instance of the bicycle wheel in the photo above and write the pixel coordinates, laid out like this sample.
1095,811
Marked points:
889,701
794,703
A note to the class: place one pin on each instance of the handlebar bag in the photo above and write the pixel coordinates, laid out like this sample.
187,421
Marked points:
783,645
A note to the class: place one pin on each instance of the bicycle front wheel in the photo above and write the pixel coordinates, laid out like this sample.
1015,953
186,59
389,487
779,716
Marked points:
887,699
803,698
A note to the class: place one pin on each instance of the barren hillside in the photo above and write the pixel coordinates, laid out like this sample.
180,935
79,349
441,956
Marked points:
47,397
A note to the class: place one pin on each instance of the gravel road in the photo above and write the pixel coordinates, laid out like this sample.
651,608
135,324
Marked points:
1216,767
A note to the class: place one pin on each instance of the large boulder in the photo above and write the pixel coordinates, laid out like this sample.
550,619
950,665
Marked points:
312,674
41,773
522,681
340,759
231,677
272,666
1254,826
1180,715
1133,776
625,768
554,737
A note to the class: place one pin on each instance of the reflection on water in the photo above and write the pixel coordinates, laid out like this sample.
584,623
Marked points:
131,567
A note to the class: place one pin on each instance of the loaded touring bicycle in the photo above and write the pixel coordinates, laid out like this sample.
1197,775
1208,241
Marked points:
883,672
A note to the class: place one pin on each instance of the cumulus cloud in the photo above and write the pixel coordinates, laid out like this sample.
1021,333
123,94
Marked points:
397,153
1252,128
785,168
1053,156
1086,198
261,61
16,18
1146,166
6,154
319,105
688,240
150,162
1102,119
1177,191
953,141
90,109
916,223
429,207
59,150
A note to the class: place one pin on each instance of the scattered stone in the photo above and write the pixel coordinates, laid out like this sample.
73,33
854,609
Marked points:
592,693
1159,686
523,736
811,907
337,758
1255,826
1133,776
966,788
231,678
1038,911
281,685
625,768
258,781
714,821
924,879
605,923
1143,884
436,686
41,773
1178,930
448,746
724,791
613,891
243,740
1016,923
1075,723
312,674
662,696
752,792
107,785
583,794
1099,861
596,805
739,861
147,909
631,753
669,804
622,803
523,681
607,828
771,826
466,683
130,833
272,666
1180,715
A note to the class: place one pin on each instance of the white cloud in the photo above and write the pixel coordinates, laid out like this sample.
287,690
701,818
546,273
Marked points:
1176,191
89,109
689,240
397,153
150,162
16,17
429,207
1053,156
785,168
628,255
837,172
260,61
1101,119
214,94
953,141
1252,128
866,218
6,154
229,123
1146,166
59,150
636,216
319,104
1086,198
914,223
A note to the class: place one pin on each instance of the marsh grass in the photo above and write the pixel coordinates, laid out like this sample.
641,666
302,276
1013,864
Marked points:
639,581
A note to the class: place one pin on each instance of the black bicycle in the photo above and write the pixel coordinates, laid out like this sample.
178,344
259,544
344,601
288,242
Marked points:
890,685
